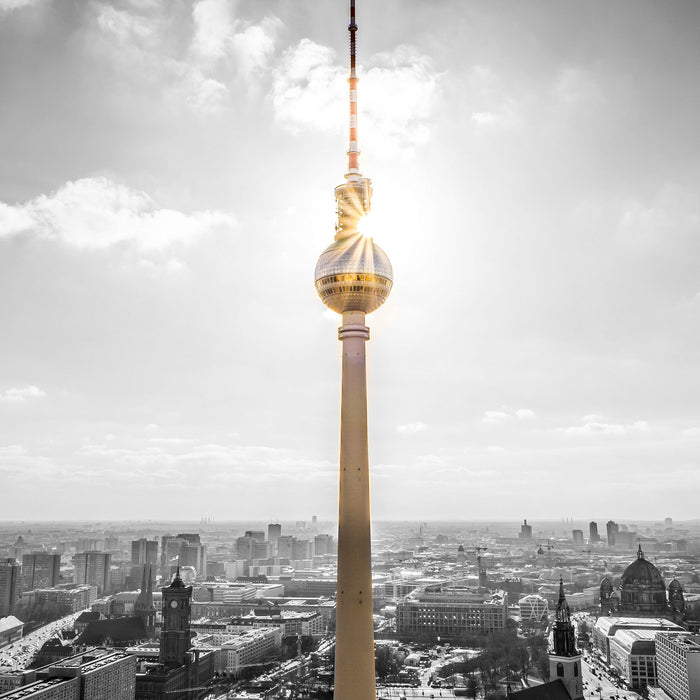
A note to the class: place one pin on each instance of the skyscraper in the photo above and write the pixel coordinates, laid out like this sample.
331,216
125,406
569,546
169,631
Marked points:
144,551
9,586
593,535
353,277
93,569
40,570
612,528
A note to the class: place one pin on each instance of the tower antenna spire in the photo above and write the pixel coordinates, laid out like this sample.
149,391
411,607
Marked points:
353,150
354,195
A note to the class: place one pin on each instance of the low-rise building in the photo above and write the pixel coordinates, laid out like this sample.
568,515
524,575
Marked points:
605,629
10,630
451,613
250,648
633,656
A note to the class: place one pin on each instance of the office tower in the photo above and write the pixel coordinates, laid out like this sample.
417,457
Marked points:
565,659
93,569
525,531
593,535
10,579
612,529
255,534
668,523
195,555
144,551
40,570
261,550
301,549
577,536
285,545
112,544
353,277
169,554
274,530
245,547
323,544
175,637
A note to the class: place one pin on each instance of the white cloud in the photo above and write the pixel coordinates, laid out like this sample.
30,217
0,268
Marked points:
310,92
16,395
594,424
96,213
495,416
219,36
7,5
307,90
505,413
410,428
213,23
254,46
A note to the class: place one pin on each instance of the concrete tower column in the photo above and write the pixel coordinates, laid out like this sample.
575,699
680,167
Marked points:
354,653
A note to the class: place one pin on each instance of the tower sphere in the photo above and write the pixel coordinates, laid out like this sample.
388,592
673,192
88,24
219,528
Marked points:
353,274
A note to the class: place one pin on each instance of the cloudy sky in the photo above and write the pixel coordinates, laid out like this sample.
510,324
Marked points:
166,186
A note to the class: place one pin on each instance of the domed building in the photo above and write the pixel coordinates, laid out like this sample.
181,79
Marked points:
642,589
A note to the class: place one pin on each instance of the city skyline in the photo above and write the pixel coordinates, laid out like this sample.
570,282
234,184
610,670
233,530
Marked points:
166,186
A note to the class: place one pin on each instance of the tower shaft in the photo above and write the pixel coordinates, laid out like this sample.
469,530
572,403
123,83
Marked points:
354,653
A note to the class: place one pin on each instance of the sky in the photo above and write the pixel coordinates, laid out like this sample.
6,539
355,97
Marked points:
166,186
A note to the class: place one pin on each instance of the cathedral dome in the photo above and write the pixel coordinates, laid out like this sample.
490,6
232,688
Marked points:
642,589
642,572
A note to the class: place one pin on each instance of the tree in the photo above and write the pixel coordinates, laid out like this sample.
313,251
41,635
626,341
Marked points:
472,686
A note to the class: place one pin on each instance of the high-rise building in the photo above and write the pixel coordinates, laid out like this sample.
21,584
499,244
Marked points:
184,549
593,535
93,569
10,588
565,658
144,551
245,547
285,545
668,523
40,570
525,531
577,536
353,277
612,528
323,544
274,530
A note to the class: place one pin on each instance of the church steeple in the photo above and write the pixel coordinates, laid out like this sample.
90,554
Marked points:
565,658
564,636
143,607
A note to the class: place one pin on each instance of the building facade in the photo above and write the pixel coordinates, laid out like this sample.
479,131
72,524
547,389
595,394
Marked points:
10,586
93,569
451,613
40,570
678,665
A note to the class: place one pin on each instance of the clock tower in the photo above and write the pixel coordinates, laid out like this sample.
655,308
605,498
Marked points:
175,637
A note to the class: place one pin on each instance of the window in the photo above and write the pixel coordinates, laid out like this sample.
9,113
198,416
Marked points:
575,669
560,669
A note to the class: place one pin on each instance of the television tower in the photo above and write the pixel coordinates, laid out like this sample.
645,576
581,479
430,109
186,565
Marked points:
353,277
